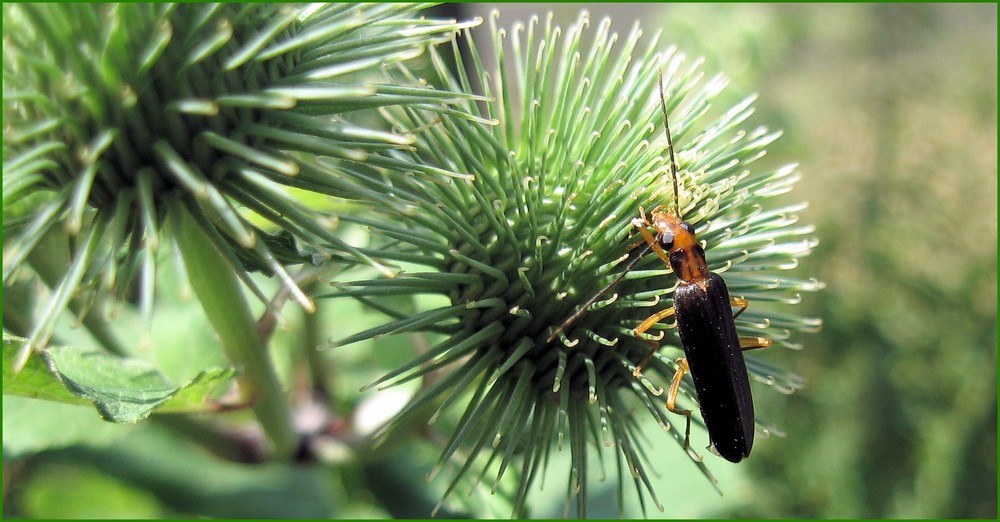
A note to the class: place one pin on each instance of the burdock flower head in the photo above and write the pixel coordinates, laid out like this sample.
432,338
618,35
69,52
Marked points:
128,126
542,222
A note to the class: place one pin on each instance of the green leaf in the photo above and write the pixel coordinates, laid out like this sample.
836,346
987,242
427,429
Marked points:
36,380
122,389
196,396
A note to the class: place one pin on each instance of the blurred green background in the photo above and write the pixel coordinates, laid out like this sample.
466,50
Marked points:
891,111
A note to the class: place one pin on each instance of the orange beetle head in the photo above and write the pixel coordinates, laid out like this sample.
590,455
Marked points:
676,237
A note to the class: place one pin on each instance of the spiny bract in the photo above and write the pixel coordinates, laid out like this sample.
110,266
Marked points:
542,222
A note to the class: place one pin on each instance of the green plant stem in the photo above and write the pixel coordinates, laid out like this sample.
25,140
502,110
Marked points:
219,291
311,339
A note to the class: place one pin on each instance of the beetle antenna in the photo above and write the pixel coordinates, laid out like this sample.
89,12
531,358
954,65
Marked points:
677,208
670,148
576,315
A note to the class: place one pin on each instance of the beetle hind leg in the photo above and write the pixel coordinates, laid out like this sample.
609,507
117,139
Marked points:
675,386
752,343
740,302
748,343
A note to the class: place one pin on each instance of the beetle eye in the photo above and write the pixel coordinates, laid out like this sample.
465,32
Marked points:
687,226
666,240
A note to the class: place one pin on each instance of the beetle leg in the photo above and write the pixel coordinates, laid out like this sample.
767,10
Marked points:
643,328
634,245
752,343
648,237
748,343
639,223
645,360
675,386
740,302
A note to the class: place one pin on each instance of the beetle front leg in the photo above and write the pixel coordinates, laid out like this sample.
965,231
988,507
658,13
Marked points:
651,241
643,328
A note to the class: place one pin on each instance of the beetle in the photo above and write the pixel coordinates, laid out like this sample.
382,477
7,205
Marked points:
713,354
703,311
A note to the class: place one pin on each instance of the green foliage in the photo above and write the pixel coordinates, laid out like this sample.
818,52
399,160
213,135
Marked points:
460,217
123,390
153,464
122,114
